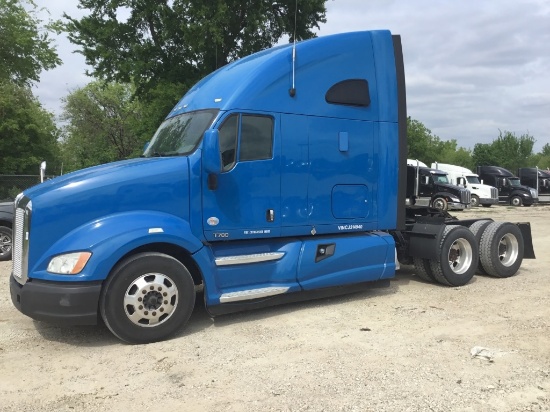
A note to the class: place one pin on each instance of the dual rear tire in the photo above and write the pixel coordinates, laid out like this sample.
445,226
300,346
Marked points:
458,254
490,248
501,249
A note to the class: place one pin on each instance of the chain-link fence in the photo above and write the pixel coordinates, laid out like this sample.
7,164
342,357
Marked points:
12,185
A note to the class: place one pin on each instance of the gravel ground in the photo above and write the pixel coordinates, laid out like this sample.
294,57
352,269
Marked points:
403,348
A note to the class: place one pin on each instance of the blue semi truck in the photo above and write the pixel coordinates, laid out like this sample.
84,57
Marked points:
279,177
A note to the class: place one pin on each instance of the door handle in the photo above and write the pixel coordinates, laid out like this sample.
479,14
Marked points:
270,215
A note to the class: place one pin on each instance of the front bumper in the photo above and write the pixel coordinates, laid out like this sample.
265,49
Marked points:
488,201
73,303
457,206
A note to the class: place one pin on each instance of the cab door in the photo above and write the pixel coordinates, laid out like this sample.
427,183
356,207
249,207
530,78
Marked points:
504,189
243,201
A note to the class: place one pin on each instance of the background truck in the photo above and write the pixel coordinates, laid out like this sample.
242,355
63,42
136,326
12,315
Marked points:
6,221
279,177
510,189
431,188
538,179
481,194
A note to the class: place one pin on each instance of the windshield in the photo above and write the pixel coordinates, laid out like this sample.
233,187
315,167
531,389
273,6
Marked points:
181,134
440,179
472,179
514,181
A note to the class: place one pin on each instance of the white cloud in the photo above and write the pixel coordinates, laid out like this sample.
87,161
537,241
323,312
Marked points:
472,67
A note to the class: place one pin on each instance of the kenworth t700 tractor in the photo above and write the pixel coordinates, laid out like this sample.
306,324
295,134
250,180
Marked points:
278,177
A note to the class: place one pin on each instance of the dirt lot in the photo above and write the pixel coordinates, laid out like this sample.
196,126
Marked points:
403,348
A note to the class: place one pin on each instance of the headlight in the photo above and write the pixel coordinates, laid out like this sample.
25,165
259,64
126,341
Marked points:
69,264
454,199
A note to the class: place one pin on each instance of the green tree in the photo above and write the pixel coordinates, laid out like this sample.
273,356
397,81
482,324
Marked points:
102,121
180,41
454,155
513,151
484,155
28,134
425,146
507,150
25,46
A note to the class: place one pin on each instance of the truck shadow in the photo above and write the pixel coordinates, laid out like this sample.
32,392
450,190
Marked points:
100,336
201,319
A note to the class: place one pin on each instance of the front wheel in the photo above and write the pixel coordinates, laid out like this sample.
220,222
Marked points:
474,201
147,298
516,201
440,203
5,243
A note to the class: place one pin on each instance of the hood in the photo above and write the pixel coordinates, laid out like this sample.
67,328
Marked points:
67,202
524,188
479,186
447,187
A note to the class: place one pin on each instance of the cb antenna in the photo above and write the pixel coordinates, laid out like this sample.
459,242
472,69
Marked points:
292,91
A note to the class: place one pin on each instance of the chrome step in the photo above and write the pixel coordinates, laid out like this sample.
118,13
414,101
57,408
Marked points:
246,259
252,294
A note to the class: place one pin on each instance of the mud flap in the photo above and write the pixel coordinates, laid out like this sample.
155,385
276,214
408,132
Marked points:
528,251
424,240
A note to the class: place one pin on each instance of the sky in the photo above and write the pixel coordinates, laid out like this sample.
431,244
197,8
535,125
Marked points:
472,67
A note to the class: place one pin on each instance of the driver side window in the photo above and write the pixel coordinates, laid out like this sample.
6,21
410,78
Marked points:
228,133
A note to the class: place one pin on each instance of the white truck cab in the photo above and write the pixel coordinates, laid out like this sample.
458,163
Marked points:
483,195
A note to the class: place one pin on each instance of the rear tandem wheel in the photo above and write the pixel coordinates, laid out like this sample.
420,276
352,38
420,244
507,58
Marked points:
458,256
423,269
501,249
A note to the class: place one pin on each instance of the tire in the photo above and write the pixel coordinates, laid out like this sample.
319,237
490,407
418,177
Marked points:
474,201
501,249
459,254
423,269
477,228
150,276
439,203
489,205
516,201
6,242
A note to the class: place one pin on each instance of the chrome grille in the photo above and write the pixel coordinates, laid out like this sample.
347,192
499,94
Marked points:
18,243
494,193
465,196
21,230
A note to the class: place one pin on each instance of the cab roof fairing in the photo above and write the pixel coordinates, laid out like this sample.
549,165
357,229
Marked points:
261,82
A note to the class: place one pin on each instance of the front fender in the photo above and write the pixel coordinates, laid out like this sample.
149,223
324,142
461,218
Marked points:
112,237
446,195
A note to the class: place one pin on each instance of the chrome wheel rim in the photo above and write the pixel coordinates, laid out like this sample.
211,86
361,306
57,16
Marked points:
150,300
508,249
439,204
460,256
5,244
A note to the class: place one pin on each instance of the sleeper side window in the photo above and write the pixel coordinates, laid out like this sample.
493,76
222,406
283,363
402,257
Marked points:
228,133
256,138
